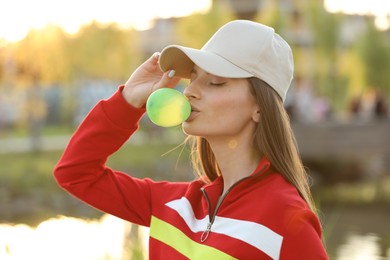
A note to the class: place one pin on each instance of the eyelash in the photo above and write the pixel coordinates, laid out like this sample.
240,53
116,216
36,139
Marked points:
217,84
211,83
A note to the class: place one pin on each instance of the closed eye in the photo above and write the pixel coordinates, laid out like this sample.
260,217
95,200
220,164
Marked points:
217,84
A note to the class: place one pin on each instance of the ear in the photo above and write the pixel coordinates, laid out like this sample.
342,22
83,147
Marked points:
256,115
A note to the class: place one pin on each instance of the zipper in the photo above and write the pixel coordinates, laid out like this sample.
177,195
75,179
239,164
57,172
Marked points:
207,232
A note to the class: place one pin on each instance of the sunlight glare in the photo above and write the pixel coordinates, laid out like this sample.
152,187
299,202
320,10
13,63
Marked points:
378,8
65,238
360,247
17,17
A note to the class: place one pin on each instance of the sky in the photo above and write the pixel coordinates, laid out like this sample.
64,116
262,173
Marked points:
17,17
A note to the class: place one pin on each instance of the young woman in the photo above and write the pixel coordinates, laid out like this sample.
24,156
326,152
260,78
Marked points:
252,199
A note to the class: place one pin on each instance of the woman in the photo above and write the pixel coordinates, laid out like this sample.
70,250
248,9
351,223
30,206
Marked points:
252,200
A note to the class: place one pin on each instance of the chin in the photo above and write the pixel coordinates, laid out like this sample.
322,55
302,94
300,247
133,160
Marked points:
186,128
190,129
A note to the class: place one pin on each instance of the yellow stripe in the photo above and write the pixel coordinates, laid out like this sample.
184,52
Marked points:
176,239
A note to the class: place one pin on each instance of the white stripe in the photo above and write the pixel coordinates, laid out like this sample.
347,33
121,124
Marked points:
249,232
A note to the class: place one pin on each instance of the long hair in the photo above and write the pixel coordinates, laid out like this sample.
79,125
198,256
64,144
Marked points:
273,138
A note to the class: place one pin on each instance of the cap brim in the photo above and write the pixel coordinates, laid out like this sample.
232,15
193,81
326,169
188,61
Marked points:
182,60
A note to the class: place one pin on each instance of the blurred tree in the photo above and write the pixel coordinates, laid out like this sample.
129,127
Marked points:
196,29
374,51
2,62
245,9
34,115
51,58
325,28
41,57
39,60
272,16
105,52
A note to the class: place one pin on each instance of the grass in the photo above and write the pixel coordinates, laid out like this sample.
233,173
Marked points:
49,130
29,193
358,193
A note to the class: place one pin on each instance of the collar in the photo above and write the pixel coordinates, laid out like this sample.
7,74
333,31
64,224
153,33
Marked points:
263,167
213,191
262,170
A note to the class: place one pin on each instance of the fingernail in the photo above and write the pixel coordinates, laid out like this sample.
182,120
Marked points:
171,74
157,55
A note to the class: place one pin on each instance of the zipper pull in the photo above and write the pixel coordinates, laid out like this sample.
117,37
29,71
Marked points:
206,233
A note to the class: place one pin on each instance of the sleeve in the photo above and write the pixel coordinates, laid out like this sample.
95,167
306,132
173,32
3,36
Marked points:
303,237
81,169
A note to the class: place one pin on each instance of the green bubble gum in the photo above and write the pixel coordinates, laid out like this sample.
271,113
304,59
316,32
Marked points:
168,107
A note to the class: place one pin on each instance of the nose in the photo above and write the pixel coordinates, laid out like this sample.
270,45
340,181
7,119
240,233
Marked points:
192,91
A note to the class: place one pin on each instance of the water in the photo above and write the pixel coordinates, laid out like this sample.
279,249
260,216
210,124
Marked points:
364,247
357,232
69,238
352,233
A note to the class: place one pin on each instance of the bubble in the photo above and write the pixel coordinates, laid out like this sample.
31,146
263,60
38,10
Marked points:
168,107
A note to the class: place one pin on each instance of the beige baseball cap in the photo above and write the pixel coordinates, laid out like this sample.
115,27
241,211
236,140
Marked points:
239,49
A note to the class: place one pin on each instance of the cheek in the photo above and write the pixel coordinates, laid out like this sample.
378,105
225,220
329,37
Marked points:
227,112
221,108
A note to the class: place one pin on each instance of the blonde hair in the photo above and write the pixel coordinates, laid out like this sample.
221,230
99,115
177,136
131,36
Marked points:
273,138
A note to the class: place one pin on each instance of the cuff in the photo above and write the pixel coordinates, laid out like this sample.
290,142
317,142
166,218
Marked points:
120,112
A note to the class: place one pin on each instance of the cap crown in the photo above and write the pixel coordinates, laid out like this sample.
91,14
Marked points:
239,49
256,49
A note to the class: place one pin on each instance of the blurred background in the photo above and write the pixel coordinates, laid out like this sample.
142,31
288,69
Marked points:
57,59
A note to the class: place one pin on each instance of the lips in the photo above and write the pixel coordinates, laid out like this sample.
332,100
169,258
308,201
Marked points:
194,109
194,113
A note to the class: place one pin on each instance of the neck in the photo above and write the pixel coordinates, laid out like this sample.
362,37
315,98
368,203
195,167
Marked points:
236,158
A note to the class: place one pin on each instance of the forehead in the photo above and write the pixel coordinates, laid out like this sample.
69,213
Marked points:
199,71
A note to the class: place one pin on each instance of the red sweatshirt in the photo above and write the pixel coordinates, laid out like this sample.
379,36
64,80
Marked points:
260,217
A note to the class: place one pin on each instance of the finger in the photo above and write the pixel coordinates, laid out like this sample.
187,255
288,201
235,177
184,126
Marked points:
169,80
152,61
155,57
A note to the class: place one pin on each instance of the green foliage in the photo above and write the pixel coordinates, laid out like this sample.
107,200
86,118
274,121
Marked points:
325,27
374,52
50,56
103,52
273,16
42,56
195,30
29,193
28,190
22,171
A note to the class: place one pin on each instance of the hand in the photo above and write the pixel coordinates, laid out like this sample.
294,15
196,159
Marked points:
147,78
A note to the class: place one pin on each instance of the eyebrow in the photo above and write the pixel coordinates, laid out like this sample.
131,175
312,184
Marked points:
195,71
